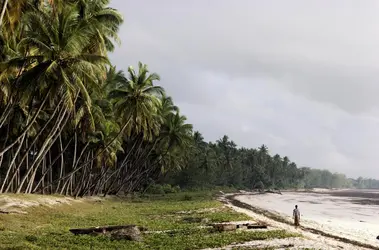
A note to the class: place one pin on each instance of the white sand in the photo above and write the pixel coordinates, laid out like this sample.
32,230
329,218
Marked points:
334,215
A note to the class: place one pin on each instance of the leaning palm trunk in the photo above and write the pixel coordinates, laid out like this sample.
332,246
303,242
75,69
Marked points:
46,145
6,112
123,165
55,135
68,175
28,126
5,142
3,12
34,142
50,167
78,160
62,163
10,167
39,134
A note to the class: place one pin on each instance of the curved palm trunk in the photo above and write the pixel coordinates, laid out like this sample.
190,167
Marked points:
46,145
62,163
3,12
29,125
55,136
7,111
10,167
50,167
68,175
34,142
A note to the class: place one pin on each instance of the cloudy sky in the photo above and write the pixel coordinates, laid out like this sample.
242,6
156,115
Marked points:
299,76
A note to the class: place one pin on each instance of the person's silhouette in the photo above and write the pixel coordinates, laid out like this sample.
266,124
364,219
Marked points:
296,216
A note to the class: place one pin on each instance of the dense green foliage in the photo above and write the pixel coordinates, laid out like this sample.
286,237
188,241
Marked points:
224,164
70,122
73,124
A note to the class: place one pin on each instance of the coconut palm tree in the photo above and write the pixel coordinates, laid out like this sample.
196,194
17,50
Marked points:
176,132
58,69
137,102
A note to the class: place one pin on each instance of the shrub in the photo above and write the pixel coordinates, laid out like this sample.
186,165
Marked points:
155,189
168,189
187,197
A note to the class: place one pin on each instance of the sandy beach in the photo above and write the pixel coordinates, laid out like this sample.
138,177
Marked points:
351,216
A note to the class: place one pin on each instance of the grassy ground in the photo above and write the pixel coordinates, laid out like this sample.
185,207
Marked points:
47,227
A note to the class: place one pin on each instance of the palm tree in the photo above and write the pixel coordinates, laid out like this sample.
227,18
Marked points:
63,107
137,102
276,169
57,66
176,132
106,22
167,106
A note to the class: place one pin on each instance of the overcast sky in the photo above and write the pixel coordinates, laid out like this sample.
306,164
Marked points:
300,76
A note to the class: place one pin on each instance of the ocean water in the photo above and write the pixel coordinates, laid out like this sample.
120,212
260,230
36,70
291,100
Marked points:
353,216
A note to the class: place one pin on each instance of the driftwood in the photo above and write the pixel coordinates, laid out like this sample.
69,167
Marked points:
256,226
99,230
126,232
231,227
269,191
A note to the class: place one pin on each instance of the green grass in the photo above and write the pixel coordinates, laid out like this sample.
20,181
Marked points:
47,228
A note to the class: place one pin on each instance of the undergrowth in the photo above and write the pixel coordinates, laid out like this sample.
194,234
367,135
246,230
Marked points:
47,227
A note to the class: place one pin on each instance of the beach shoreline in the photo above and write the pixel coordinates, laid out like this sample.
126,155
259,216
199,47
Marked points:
316,236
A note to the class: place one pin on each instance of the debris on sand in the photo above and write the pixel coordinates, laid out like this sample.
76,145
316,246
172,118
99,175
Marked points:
125,232
231,226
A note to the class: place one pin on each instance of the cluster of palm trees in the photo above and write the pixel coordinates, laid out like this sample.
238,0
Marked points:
70,123
222,163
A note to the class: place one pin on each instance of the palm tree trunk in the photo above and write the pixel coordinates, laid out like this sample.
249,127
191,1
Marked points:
57,132
29,125
10,167
50,167
3,12
49,140
68,175
62,163
34,141
51,172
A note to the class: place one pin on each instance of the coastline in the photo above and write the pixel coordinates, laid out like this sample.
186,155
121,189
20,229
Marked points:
315,237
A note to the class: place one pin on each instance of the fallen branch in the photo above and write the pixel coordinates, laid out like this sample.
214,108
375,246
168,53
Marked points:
103,230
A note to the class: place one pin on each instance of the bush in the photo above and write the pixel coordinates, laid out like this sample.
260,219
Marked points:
31,238
259,185
187,197
163,189
177,189
155,189
168,189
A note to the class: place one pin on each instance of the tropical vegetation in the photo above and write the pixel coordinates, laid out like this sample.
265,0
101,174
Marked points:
72,123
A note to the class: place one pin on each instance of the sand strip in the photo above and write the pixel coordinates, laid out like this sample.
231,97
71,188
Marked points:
312,238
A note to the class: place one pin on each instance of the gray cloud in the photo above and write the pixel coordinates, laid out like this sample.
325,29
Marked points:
299,76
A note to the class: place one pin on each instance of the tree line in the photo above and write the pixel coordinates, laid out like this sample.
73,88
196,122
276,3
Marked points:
72,124
224,164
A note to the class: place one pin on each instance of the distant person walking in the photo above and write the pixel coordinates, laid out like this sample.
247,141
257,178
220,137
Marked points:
296,216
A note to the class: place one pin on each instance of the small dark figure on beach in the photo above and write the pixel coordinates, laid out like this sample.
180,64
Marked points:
296,216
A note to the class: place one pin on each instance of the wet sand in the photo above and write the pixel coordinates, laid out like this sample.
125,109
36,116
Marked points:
348,214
